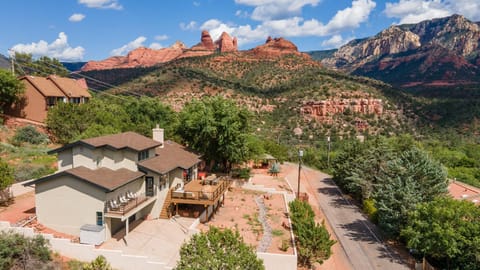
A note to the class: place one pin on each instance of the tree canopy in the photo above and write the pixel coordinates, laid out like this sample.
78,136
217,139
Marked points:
393,174
218,249
10,89
447,231
218,128
43,66
102,116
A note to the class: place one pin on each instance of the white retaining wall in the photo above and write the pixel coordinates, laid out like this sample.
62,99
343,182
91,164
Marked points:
87,253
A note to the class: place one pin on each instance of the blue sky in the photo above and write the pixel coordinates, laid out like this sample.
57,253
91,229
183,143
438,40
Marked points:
82,30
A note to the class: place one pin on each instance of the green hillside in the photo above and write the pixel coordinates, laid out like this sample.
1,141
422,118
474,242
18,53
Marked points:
274,88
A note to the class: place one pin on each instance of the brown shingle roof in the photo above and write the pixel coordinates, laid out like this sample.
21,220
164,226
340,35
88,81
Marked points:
171,156
44,86
129,139
104,178
70,87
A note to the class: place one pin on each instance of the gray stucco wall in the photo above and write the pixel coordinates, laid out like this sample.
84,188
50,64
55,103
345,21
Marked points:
61,205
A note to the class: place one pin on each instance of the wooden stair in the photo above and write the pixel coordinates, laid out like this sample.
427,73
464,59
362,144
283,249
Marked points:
166,205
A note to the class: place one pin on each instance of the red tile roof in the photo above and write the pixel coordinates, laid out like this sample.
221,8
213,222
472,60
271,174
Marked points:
171,156
103,178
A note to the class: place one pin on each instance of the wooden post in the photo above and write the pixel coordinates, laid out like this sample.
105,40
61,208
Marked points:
208,217
126,227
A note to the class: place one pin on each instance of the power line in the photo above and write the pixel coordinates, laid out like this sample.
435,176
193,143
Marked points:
96,80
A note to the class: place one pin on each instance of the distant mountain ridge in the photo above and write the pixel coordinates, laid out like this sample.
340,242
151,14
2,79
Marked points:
435,52
146,57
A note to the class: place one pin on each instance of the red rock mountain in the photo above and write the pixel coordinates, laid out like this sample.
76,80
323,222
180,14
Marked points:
275,47
145,57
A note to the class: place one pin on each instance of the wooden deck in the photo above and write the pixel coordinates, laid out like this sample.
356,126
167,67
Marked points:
202,192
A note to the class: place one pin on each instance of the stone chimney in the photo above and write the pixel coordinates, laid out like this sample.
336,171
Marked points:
158,135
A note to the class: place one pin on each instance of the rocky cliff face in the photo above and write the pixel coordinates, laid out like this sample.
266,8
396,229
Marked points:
437,50
145,57
275,47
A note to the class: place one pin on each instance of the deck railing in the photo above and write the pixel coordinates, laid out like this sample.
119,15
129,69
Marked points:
221,186
125,207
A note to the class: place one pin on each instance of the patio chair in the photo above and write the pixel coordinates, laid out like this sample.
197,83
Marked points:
130,195
122,199
113,205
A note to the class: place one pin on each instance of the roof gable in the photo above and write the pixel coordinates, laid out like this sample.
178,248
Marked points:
125,140
70,87
44,86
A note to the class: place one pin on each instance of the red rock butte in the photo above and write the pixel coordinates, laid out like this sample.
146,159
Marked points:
146,57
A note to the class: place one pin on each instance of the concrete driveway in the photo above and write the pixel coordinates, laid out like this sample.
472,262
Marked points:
158,239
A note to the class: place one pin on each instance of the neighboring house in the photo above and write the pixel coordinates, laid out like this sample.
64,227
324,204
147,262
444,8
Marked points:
41,93
111,181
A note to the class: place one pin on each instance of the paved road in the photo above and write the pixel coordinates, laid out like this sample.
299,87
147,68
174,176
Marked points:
358,237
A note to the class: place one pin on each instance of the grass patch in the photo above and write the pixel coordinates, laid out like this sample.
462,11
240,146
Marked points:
277,233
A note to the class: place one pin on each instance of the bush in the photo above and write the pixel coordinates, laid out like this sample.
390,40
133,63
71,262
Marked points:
242,173
31,171
29,134
20,252
370,209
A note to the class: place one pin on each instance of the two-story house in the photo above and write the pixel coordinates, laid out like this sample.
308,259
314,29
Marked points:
41,93
111,181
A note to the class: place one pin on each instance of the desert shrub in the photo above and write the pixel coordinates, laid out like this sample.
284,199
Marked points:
31,171
29,134
370,209
242,173
20,252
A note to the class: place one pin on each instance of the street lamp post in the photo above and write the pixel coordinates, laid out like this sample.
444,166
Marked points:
300,155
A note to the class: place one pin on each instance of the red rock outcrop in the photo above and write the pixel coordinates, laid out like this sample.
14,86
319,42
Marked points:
275,47
206,43
225,43
335,106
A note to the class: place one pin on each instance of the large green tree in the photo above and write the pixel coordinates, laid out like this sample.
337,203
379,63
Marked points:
11,89
411,178
217,128
447,231
69,122
218,249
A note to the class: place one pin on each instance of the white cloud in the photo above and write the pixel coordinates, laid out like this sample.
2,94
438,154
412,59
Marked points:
155,46
104,4
59,49
346,19
414,11
76,17
138,42
161,37
189,26
195,3
276,9
335,41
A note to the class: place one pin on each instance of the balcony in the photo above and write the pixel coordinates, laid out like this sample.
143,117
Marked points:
125,206
204,192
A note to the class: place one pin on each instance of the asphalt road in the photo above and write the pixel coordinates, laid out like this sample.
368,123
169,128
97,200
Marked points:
358,237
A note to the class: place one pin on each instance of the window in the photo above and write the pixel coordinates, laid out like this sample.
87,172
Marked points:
51,101
100,218
143,155
163,182
75,100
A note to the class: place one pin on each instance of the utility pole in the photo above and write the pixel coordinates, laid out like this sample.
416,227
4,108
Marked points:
328,152
12,55
300,155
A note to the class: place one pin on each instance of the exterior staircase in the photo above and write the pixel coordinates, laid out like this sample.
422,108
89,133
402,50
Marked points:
166,205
